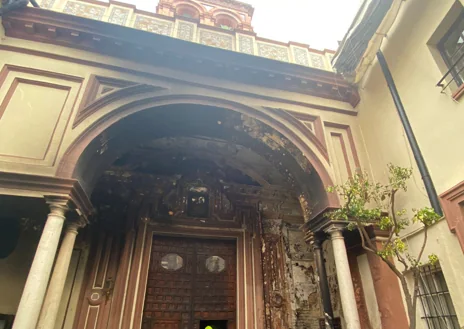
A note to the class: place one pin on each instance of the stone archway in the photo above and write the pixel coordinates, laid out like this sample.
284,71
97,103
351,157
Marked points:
267,147
92,121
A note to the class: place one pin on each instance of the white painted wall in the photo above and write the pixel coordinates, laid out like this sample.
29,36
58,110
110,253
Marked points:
437,121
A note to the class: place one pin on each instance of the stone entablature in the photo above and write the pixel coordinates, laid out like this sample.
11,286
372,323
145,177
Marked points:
192,30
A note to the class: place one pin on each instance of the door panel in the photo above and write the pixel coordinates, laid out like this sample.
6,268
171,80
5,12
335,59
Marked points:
98,295
190,280
215,282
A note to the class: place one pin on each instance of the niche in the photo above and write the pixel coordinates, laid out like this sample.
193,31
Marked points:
198,202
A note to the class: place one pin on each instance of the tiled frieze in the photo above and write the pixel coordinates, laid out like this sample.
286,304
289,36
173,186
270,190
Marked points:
84,10
329,58
153,25
245,44
185,30
300,55
47,4
218,40
273,52
119,15
317,61
190,31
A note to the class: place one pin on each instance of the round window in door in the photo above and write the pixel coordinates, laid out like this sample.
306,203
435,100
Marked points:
172,262
215,264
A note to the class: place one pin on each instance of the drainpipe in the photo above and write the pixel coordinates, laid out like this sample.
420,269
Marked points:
429,187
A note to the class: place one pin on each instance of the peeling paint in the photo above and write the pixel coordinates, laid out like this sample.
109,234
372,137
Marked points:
291,275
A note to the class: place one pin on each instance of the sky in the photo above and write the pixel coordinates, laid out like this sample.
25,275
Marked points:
319,23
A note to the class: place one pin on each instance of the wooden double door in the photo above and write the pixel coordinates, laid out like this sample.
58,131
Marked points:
191,283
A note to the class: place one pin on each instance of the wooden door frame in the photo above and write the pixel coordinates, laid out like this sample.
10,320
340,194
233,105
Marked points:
249,271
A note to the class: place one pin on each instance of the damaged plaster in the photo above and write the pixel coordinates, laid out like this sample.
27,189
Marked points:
296,280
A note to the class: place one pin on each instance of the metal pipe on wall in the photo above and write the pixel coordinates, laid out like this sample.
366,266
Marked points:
429,187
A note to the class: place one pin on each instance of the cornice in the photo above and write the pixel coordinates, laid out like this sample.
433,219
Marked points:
47,186
320,221
158,50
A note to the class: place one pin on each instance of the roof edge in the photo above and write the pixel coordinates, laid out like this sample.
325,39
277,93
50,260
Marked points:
358,50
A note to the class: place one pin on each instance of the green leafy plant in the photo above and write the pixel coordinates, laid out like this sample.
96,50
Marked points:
374,204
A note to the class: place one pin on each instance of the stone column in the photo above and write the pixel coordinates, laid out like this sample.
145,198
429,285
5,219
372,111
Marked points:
323,282
39,273
345,282
55,288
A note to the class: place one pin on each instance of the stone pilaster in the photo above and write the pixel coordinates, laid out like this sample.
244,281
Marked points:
323,282
388,293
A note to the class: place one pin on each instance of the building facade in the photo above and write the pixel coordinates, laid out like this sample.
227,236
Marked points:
162,170
418,40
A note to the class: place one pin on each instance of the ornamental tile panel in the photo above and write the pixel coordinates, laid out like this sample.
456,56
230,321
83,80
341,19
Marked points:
84,10
153,25
217,40
301,56
245,44
330,56
185,31
119,16
317,61
47,4
273,52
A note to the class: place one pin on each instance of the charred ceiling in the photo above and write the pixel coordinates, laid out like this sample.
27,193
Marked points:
194,142
215,137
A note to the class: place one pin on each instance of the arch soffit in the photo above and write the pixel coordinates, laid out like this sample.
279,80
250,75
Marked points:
281,116
115,109
183,3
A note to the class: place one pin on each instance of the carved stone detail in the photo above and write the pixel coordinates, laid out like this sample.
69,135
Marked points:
276,304
119,16
245,44
330,56
185,31
153,25
301,56
305,206
277,300
237,5
317,61
84,10
273,52
47,4
217,40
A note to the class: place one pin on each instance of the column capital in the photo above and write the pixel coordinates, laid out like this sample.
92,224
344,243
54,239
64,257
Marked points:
335,231
74,225
317,242
314,239
58,205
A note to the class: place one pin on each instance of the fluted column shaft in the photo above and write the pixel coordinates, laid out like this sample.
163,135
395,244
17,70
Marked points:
57,282
39,273
345,282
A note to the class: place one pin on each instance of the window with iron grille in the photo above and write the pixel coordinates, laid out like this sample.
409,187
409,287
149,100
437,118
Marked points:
437,306
451,47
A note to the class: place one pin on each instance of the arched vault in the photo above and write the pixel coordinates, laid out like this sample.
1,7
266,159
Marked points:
264,145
